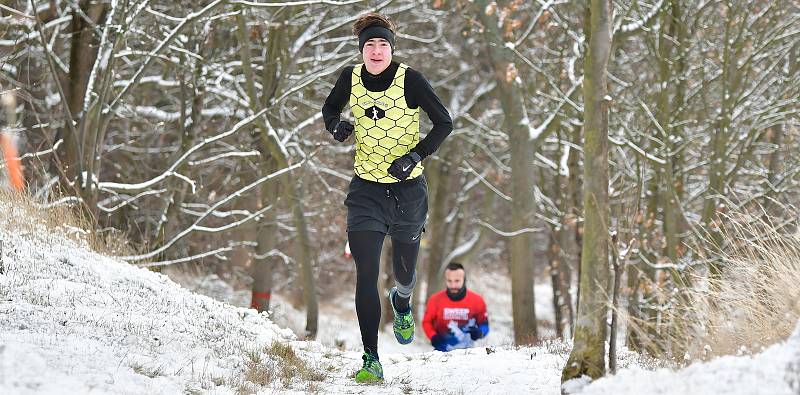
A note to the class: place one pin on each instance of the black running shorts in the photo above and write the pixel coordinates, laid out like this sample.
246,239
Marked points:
397,209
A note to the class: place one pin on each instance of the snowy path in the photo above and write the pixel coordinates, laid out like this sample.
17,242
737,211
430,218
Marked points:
504,371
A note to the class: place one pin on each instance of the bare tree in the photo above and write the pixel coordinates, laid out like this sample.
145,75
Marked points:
522,144
588,352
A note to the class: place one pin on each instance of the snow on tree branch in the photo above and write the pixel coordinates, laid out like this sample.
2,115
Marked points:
160,47
171,171
504,233
196,226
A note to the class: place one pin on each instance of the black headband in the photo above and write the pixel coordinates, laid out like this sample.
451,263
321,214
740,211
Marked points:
375,31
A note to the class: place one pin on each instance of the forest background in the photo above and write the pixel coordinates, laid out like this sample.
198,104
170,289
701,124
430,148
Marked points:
192,131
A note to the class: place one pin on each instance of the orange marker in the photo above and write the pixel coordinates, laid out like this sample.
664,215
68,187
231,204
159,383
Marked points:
7,144
11,158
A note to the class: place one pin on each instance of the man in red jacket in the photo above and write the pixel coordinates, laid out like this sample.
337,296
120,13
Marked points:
455,317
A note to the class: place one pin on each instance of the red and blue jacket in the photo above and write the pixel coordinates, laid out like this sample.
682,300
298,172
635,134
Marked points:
452,324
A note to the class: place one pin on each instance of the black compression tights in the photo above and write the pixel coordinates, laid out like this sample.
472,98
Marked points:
366,249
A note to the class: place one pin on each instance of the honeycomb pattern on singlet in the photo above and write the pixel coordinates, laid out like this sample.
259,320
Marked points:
385,127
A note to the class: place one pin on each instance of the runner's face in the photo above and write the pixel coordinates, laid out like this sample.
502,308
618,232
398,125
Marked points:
454,279
377,55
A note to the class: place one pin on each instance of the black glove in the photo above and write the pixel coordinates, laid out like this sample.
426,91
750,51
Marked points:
342,131
475,332
402,167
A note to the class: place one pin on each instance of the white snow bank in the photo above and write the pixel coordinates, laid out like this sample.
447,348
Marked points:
72,321
775,371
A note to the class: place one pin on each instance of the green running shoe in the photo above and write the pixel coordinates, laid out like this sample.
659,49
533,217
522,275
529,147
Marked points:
403,322
371,372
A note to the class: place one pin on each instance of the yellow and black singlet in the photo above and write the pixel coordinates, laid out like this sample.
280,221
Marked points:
386,128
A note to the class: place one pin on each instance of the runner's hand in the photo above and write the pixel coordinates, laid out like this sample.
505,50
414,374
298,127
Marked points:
342,131
474,332
402,167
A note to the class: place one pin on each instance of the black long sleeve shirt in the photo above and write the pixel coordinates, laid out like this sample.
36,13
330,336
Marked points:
418,92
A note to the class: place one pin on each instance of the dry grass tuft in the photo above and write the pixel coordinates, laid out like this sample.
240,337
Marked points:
752,304
22,213
756,301
279,361
292,366
259,371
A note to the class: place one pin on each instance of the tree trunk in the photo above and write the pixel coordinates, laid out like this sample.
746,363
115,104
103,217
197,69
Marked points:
177,189
83,54
588,352
439,177
561,244
670,42
522,145
561,241
522,169
612,341
304,257
266,237
574,193
719,142
565,281
553,253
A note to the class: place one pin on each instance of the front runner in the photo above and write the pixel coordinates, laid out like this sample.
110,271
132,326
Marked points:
388,194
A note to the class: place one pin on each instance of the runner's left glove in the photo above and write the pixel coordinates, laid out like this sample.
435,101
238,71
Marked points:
402,167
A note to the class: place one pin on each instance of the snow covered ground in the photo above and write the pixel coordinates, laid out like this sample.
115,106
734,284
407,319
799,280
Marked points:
338,322
74,322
